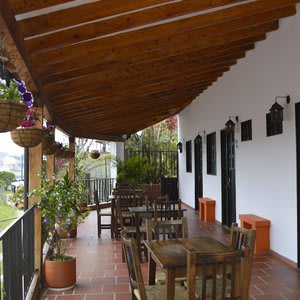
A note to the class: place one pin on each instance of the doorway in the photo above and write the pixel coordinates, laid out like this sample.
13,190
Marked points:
297,111
228,177
198,170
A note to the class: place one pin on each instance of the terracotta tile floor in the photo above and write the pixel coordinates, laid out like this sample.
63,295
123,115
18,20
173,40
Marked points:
102,275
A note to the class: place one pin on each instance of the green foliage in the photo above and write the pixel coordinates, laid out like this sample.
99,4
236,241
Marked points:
11,93
6,212
59,207
133,171
18,197
7,178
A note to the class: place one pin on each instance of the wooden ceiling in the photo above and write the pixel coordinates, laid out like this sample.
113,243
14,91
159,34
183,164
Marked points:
112,67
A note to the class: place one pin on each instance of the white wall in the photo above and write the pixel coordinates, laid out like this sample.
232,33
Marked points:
265,166
116,150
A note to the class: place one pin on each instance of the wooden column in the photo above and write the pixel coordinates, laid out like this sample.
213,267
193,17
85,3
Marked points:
35,169
50,166
72,160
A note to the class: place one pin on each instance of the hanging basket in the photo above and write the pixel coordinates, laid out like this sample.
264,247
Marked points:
65,153
95,155
49,146
11,115
27,137
59,152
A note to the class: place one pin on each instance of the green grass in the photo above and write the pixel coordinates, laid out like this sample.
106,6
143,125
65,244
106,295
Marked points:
6,212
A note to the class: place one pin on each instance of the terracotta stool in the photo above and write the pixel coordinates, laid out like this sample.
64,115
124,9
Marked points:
207,209
262,227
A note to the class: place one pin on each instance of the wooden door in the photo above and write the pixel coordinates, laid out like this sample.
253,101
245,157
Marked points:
228,177
198,170
297,111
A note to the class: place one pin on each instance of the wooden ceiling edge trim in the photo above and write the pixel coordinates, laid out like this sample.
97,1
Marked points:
100,136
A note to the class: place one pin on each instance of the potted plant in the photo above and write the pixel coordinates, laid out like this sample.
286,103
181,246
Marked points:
27,135
95,154
133,171
14,100
60,216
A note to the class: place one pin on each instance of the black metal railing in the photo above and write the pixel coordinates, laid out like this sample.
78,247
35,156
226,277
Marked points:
164,163
104,186
17,253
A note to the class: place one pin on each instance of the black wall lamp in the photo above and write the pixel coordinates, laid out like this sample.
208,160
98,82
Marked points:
276,109
179,147
230,125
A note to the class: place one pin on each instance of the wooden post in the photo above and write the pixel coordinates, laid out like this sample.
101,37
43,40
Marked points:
72,160
50,167
35,170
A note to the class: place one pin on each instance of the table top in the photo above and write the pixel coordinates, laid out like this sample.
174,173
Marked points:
172,253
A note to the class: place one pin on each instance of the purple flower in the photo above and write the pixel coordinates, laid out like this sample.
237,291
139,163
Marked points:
27,97
46,220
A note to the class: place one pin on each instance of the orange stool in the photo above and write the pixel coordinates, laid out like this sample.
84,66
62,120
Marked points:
262,227
207,209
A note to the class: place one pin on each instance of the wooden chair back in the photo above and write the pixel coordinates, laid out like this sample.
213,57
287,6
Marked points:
167,210
221,275
166,230
240,238
133,265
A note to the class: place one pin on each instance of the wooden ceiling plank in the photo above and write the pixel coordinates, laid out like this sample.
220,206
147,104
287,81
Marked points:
199,55
143,91
91,99
165,47
67,68
136,76
97,10
79,35
24,6
139,73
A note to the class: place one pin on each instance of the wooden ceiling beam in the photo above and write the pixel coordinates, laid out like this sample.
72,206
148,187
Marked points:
148,92
234,17
145,72
197,56
121,91
84,66
165,47
101,9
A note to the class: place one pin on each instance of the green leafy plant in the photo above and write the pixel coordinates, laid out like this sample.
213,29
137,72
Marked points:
59,207
133,171
16,92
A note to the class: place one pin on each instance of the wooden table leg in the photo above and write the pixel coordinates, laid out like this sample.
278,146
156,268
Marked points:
151,270
170,284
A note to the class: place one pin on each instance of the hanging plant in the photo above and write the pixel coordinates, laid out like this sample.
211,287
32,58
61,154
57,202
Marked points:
28,136
48,140
14,100
95,154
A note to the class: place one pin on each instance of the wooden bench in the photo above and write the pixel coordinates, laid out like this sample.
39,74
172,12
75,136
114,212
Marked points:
262,227
207,209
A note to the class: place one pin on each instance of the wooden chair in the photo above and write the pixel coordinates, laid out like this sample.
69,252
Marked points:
166,230
241,237
167,210
101,213
138,289
218,275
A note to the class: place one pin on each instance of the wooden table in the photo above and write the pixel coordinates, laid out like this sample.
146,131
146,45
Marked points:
171,256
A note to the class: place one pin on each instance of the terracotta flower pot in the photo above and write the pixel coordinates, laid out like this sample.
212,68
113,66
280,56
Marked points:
60,274
11,115
27,137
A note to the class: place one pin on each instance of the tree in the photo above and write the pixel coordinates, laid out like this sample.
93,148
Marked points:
7,178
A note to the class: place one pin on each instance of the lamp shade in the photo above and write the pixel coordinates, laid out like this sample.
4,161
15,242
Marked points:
179,147
276,113
229,125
